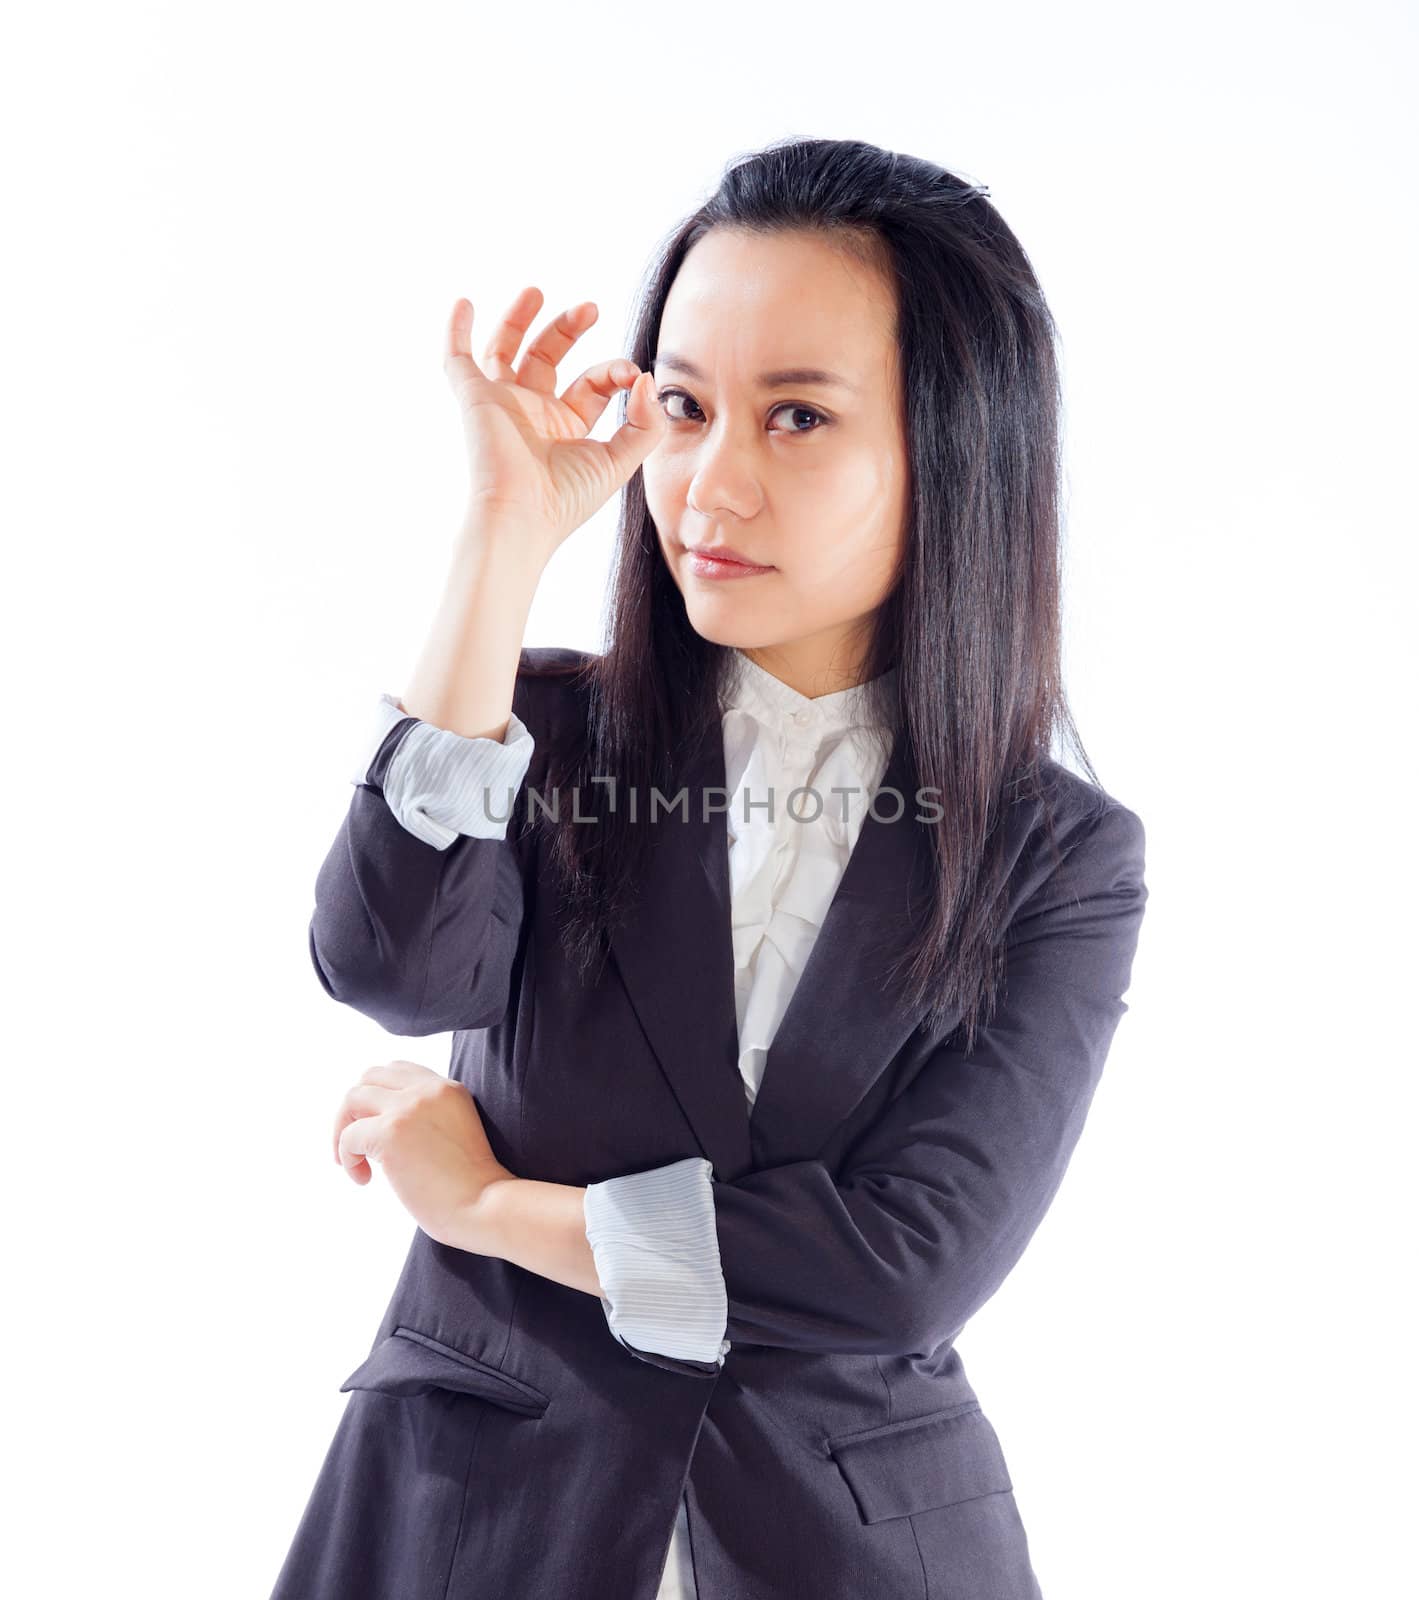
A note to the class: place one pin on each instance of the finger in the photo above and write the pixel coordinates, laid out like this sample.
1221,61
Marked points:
361,1172
538,368
360,1141
362,1101
398,1074
643,429
508,335
588,395
458,362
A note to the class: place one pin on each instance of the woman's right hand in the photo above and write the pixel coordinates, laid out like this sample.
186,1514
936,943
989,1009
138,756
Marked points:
533,473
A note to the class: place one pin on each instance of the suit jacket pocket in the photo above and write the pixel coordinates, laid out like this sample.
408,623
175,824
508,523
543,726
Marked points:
409,1363
922,1463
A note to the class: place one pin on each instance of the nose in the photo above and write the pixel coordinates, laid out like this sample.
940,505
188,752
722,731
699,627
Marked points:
722,485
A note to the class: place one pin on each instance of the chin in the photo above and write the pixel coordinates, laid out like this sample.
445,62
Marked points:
720,626
721,631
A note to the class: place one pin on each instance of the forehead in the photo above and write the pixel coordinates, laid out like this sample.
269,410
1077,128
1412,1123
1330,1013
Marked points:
745,303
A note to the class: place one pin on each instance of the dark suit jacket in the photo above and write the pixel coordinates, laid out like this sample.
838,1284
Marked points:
499,1442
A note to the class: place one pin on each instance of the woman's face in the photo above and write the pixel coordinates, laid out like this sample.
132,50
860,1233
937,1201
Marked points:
803,474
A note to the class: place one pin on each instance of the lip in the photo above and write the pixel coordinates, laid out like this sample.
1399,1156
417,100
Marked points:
720,561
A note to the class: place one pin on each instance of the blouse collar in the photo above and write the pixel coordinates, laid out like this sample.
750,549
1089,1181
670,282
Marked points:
751,688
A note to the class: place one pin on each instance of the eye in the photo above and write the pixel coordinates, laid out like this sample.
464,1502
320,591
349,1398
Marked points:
819,418
675,394
789,405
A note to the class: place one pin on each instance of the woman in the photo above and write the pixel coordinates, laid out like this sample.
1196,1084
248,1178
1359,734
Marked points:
754,1098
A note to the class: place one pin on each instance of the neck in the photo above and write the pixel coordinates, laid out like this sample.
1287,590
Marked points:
814,666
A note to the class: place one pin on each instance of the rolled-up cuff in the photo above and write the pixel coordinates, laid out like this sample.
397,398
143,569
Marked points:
653,1238
440,784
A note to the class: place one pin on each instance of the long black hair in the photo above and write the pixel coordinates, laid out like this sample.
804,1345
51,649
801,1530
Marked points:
973,621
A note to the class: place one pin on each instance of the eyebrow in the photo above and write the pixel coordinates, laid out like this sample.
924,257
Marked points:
781,379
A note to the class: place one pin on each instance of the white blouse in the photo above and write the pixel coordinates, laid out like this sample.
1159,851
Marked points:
787,849
652,1233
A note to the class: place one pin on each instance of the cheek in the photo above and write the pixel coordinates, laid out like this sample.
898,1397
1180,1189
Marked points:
665,486
850,556
857,535
861,480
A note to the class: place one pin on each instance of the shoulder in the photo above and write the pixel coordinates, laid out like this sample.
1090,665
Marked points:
553,661
1073,836
1085,811
552,683
551,698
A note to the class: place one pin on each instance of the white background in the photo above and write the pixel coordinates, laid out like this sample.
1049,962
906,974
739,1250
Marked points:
233,472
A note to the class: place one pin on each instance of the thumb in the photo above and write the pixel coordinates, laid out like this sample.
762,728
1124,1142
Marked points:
642,430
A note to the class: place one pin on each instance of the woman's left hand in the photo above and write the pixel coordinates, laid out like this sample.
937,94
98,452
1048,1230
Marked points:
425,1132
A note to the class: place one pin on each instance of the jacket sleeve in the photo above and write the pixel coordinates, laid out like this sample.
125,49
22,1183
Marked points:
419,902
652,1236
441,785
894,1252
935,1203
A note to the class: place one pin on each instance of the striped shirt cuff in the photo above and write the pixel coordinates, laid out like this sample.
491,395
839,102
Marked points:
656,1248
440,784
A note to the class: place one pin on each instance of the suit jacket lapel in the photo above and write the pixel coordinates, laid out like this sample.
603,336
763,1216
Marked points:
675,957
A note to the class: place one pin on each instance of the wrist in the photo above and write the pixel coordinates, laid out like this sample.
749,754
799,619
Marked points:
535,1225
509,544
482,1226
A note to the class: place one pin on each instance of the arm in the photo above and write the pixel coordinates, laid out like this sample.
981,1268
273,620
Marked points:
894,1252
652,1235
440,784
934,1205
644,1245
419,902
